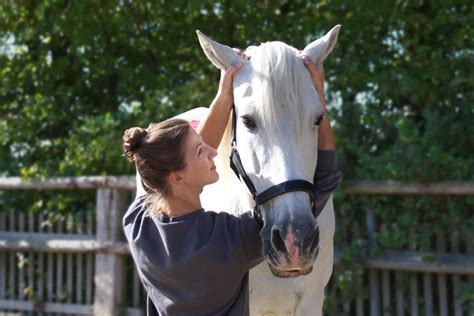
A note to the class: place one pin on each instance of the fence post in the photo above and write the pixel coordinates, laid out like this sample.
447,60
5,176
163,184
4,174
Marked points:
109,268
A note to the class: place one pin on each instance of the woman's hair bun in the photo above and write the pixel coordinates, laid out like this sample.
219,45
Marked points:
132,140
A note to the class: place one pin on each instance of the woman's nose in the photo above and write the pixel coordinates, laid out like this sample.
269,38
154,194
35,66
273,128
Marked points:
212,152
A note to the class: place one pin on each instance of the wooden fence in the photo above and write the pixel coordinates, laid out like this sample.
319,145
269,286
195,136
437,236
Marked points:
410,282
87,269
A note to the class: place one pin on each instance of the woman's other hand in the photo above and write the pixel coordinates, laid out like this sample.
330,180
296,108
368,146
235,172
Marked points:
317,76
325,134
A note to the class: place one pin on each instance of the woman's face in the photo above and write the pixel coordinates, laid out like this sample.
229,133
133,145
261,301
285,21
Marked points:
200,169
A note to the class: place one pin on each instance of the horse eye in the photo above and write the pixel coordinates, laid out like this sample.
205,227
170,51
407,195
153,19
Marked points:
318,120
249,123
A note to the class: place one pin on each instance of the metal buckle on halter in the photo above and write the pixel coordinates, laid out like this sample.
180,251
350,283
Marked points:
258,215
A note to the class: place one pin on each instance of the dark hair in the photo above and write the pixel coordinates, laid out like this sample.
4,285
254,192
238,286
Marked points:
157,151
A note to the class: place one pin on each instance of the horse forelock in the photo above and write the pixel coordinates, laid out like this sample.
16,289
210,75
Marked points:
283,83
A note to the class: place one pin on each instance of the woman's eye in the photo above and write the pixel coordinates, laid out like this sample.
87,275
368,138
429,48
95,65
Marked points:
249,123
318,120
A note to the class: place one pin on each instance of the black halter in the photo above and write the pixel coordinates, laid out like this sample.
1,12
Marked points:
271,192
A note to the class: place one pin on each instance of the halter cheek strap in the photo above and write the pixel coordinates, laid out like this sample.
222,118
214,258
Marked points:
271,192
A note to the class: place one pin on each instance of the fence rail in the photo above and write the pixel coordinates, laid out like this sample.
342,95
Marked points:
102,255
67,243
351,187
69,183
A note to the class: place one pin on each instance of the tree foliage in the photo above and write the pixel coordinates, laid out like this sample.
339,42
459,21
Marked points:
75,74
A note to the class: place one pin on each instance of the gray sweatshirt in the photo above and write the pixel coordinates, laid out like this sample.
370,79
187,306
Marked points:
198,263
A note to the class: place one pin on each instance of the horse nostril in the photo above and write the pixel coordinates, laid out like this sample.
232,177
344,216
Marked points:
277,240
315,243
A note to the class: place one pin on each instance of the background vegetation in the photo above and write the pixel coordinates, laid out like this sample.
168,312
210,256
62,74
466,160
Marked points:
75,74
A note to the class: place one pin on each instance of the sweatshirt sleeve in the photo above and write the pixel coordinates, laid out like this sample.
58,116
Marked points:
252,240
327,177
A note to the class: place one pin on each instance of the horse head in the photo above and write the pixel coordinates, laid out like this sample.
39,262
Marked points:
277,111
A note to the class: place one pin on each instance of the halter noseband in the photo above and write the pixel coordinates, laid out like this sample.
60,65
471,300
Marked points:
271,192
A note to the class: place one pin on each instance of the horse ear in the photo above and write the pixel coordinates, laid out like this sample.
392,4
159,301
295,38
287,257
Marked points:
318,50
221,56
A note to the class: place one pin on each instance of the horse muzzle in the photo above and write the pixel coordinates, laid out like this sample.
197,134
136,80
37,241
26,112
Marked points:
291,254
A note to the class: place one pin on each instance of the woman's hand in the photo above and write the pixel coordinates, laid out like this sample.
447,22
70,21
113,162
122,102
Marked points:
227,76
317,76
325,135
213,126
225,91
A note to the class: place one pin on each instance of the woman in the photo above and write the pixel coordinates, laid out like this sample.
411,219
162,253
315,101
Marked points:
194,262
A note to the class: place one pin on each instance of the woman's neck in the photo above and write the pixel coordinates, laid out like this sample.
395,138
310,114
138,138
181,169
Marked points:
182,204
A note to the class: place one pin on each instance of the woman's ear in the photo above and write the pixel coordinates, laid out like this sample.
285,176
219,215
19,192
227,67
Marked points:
175,178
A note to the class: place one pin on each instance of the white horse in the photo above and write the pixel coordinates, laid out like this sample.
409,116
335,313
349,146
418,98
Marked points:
276,109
